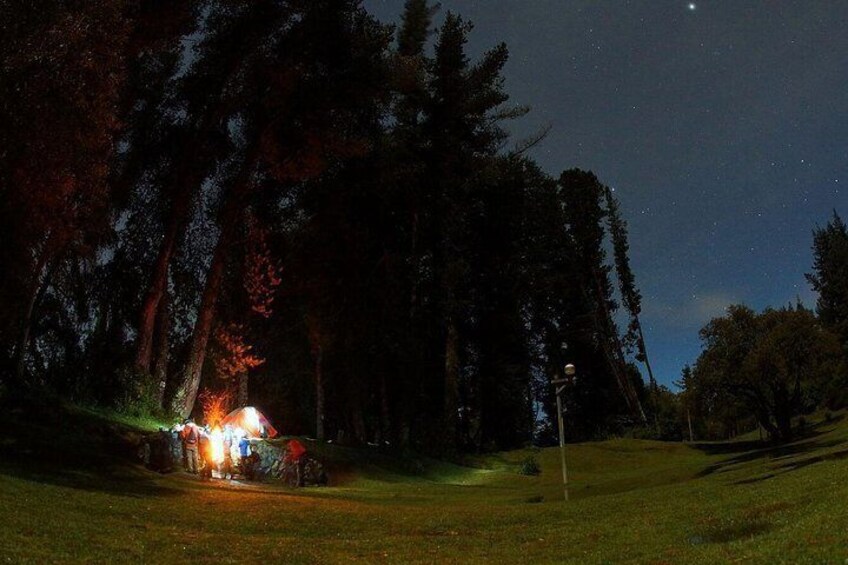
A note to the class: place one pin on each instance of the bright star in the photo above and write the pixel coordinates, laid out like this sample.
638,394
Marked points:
692,6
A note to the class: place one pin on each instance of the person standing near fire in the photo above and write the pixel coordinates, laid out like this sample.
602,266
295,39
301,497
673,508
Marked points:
207,457
296,452
191,439
226,469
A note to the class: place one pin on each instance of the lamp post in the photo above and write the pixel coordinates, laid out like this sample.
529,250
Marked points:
559,387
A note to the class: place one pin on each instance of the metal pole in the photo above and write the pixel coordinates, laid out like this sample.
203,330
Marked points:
562,441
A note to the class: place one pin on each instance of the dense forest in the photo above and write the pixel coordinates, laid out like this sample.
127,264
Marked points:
209,197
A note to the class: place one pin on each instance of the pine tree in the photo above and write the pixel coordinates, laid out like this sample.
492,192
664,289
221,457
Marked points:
830,276
583,195
462,131
630,295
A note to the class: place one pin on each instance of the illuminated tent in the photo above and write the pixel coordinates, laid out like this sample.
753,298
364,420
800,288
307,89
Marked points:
251,421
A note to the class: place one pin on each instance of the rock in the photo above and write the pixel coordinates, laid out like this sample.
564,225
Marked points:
162,451
268,454
274,463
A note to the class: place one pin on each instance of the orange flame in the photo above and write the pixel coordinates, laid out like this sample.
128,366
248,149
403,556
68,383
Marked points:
215,406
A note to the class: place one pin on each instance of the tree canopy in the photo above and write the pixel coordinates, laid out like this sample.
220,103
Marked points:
775,364
294,203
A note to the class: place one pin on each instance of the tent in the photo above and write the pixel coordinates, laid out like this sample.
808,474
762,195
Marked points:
251,420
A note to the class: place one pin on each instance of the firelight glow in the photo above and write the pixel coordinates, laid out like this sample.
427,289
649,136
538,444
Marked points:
252,418
216,443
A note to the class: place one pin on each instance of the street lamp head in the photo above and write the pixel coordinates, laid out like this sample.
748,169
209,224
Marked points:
570,370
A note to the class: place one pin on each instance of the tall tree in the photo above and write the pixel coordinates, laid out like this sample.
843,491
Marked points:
303,105
233,34
582,196
830,276
463,132
630,295
767,361
62,73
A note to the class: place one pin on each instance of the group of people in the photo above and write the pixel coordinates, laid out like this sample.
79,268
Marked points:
199,451
227,452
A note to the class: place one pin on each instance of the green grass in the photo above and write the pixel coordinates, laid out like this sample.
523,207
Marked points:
65,498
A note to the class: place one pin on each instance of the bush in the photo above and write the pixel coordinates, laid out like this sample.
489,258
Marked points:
136,393
530,467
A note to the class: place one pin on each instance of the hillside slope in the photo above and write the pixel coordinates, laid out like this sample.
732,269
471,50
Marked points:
66,495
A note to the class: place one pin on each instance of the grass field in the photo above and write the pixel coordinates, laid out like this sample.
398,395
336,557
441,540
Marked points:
65,496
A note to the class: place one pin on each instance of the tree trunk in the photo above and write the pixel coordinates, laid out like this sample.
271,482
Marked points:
40,281
159,279
689,420
413,294
162,347
230,219
644,351
783,416
242,389
357,419
614,354
187,393
319,392
451,382
385,413
784,427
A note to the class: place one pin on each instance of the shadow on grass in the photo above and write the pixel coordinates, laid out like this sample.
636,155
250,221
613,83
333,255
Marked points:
832,456
95,477
759,447
807,441
725,533
795,465
728,447
782,458
45,444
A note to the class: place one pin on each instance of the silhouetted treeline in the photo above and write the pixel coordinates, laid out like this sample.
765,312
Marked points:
323,214
766,369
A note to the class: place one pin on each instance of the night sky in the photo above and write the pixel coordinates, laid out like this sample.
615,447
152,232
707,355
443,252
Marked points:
722,125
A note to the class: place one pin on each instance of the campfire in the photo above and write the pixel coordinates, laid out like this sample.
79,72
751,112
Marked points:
232,445
216,446
229,441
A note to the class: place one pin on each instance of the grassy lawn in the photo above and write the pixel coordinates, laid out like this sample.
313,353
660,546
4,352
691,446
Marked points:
64,497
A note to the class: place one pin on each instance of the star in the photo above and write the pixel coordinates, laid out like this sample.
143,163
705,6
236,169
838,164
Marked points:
692,6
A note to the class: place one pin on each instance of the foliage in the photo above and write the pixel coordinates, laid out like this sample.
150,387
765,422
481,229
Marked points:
262,273
774,363
830,276
62,75
236,357
435,281
530,467
136,394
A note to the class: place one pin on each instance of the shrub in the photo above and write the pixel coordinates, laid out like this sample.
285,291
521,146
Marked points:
530,467
136,393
